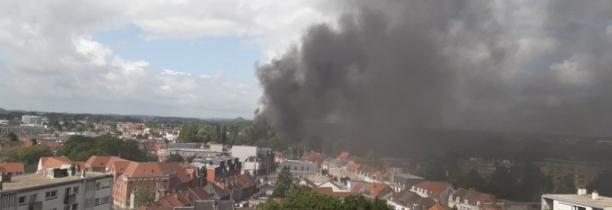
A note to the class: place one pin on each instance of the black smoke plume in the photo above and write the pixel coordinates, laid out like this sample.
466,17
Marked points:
390,69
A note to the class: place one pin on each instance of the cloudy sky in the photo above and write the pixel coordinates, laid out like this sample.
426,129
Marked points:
155,57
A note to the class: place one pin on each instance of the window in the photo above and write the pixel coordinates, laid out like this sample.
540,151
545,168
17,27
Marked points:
33,197
98,185
75,190
97,201
75,206
105,200
50,195
22,200
68,191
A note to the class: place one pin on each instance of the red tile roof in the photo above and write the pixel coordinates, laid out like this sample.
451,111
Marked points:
177,169
378,189
171,201
245,181
135,169
118,166
358,187
54,162
101,161
437,206
195,193
12,168
435,188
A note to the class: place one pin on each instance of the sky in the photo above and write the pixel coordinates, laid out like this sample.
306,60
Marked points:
153,57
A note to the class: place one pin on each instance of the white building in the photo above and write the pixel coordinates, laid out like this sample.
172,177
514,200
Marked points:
188,150
32,120
35,192
255,160
579,201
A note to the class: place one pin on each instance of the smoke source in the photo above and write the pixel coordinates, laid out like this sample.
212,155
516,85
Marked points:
389,69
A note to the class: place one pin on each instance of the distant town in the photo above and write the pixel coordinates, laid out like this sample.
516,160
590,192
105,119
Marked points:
79,161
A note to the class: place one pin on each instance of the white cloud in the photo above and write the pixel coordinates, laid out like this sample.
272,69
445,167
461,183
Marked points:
55,64
94,51
569,71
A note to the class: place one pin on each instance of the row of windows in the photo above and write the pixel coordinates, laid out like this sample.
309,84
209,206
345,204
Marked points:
74,206
100,185
49,195
103,200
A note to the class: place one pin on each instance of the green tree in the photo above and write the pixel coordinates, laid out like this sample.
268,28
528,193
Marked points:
143,196
174,158
284,184
28,156
301,198
80,148
12,137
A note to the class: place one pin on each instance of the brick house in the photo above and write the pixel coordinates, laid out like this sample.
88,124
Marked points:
158,179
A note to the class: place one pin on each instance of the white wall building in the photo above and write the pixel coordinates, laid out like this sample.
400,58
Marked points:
255,160
579,201
36,192
32,120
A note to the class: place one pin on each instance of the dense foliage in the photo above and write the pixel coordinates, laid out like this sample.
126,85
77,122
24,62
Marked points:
174,158
28,156
80,148
284,184
301,198
235,132
12,137
143,196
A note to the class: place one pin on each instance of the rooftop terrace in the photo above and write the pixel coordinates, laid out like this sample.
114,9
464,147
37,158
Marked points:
585,200
36,180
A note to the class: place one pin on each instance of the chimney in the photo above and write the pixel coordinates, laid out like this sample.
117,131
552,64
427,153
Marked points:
595,195
582,191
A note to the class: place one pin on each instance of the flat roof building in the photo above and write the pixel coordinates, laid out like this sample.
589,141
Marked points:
579,201
91,191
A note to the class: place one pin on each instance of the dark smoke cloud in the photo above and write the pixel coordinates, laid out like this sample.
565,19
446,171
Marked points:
390,68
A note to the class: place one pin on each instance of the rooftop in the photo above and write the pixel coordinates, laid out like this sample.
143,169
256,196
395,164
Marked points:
585,200
407,176
36,180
